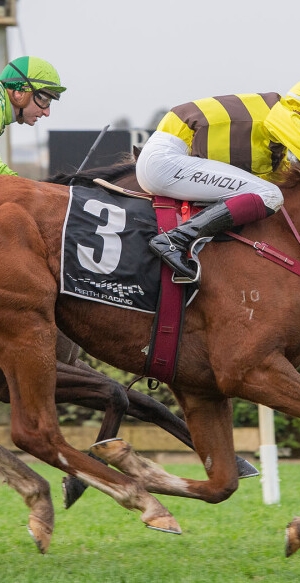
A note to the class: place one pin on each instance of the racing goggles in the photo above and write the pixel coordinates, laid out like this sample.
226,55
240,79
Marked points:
41,99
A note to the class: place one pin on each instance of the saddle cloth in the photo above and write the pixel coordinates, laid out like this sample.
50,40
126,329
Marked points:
105,254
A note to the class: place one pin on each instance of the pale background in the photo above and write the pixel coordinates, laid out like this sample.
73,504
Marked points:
131,59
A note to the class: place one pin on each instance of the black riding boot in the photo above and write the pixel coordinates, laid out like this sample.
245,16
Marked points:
173,246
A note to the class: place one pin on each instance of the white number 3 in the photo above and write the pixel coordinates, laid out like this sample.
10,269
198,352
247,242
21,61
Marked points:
112,245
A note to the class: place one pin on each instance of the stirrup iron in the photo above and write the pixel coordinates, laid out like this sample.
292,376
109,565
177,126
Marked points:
196,247
183,279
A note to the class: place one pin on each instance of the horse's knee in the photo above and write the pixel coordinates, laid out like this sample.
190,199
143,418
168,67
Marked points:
33,441
17,437
118,399
115,394
224,490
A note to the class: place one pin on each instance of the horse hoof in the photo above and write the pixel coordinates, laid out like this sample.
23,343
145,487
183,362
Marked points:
292,537
245,469
72,489
165,524
40,532
110,450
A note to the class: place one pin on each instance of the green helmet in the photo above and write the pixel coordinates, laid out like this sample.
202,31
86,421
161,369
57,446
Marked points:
32,73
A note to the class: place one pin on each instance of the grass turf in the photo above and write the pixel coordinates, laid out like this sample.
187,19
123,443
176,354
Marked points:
97,541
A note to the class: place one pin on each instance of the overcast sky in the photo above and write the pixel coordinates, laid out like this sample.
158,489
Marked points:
131,58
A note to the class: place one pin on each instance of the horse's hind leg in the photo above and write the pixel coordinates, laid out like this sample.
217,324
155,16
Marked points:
147,409
210,424
35,492
97,391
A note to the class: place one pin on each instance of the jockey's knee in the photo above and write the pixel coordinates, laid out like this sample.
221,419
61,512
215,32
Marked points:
272,198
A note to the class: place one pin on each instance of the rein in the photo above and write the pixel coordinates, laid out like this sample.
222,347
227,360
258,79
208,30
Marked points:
265,250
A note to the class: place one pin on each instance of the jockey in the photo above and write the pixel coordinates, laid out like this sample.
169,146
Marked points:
223,150
27,87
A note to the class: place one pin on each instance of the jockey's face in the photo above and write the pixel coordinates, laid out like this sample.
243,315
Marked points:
32,112
28,104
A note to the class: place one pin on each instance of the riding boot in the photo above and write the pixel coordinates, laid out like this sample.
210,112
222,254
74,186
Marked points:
173,246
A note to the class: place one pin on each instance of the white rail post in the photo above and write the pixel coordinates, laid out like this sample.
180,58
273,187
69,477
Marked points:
268,456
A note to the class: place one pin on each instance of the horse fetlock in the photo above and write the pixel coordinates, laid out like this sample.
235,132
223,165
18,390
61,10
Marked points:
37,493
122,456
154,514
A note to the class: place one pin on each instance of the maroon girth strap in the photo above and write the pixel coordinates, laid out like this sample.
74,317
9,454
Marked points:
166,332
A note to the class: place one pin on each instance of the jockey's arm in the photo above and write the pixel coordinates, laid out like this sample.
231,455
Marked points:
4,169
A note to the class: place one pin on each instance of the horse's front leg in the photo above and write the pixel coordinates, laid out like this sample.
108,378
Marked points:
35,492
35,430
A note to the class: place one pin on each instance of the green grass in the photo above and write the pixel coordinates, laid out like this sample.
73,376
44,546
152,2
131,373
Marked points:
97,541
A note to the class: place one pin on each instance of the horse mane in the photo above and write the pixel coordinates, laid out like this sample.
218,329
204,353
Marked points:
290,177
85,177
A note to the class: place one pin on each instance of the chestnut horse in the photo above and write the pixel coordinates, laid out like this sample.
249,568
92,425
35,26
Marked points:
240,338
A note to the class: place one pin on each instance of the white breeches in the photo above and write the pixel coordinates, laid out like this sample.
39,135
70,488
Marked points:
165,167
